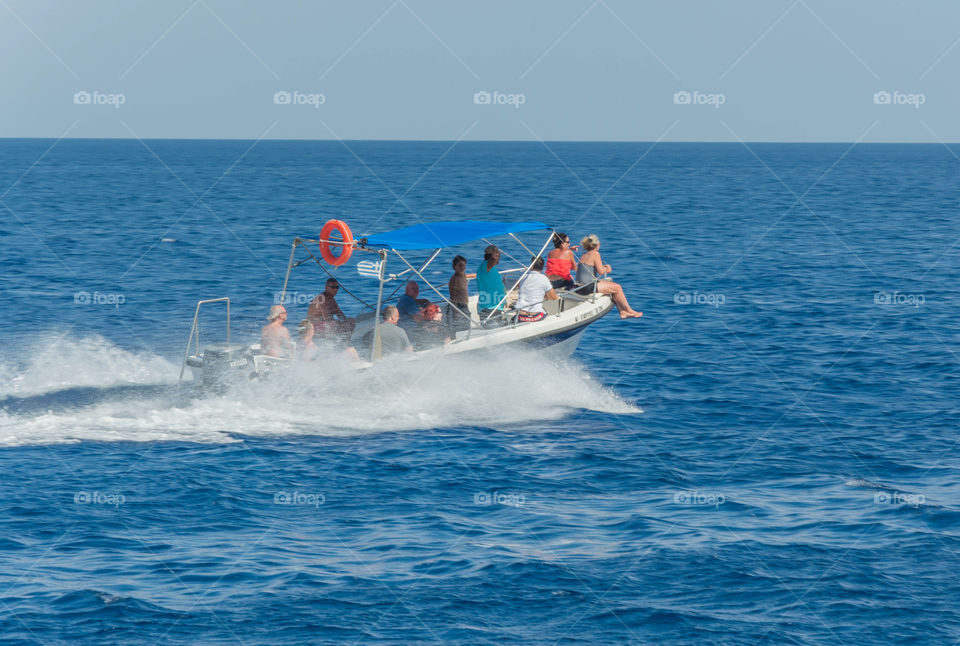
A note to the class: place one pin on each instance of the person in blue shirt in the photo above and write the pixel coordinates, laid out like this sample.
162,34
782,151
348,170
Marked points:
489,282
409,305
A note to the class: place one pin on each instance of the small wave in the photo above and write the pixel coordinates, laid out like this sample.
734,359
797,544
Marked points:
892,495
868,484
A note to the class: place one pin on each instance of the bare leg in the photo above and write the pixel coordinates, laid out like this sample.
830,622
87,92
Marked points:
619,299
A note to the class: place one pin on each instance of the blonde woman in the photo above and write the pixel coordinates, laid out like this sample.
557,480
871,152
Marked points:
591,268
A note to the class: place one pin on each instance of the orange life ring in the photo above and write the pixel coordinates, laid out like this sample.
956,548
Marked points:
345,249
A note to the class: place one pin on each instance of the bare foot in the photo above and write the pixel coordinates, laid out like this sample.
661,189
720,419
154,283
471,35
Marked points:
630,315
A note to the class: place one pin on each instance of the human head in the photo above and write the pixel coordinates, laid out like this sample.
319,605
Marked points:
560,239
412,289
305,328
536,264
459,260
432,312
590,242
391,314
332,286
491,253
277,311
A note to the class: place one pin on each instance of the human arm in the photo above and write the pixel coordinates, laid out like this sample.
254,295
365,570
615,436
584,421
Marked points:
315,310
598,267
286,341
406,340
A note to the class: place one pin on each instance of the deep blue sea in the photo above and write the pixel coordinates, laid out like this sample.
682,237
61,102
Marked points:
769,456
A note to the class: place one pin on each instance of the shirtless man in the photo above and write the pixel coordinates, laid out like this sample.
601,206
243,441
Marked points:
327,317
459,295
274,338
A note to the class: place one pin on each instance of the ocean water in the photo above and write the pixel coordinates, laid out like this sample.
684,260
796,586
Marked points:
769,455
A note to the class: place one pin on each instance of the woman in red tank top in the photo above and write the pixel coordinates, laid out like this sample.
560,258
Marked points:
560,262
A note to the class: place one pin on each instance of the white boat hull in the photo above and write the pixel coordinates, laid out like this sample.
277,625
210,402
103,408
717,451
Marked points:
557,336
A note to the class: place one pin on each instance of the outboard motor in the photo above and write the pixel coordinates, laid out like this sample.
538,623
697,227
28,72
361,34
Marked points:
224,363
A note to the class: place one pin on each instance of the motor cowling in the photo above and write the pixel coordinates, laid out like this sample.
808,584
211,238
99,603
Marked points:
225,362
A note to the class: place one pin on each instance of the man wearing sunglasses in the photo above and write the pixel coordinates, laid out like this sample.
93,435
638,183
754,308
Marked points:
327,317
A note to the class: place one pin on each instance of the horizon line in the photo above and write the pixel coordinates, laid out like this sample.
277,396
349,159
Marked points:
495,141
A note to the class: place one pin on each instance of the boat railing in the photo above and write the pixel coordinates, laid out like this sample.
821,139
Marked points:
195,330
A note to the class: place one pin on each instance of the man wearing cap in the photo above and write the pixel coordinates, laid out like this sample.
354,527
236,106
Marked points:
274,338
489,281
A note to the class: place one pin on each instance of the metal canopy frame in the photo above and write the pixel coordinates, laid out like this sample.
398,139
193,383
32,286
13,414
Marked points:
384,278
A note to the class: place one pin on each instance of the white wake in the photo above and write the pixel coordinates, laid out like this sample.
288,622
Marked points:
90,389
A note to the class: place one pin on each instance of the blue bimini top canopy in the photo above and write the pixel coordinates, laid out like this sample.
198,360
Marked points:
446,234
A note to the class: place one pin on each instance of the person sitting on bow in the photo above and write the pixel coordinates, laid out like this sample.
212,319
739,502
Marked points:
591,269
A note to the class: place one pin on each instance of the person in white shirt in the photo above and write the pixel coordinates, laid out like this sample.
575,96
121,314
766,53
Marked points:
532,290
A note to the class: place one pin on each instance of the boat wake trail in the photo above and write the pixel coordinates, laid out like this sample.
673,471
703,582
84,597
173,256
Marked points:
92,390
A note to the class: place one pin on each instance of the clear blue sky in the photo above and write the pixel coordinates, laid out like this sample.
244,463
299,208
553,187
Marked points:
787,70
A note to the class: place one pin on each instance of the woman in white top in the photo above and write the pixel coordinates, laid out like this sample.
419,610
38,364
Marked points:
533,289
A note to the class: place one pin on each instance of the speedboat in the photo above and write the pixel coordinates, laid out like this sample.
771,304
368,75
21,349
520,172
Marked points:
497,329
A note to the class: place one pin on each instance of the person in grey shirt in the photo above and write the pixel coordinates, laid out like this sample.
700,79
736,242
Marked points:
392,337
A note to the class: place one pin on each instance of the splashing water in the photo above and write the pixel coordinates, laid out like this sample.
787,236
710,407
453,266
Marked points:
90,389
